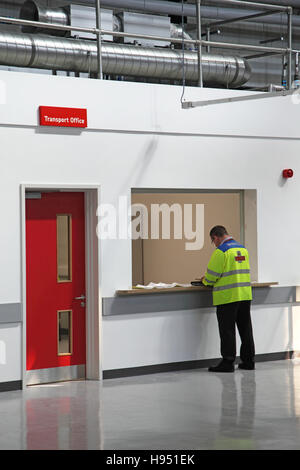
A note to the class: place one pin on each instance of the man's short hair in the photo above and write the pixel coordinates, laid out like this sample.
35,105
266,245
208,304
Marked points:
218,231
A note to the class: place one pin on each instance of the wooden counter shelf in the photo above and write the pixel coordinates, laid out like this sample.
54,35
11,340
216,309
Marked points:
141,291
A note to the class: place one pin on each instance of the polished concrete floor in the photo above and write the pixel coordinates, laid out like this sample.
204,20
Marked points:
180,410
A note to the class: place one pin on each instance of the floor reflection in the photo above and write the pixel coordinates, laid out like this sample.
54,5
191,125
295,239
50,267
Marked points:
63,416
238,399
186,410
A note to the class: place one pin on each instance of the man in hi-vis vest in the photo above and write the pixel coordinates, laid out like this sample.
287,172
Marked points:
228,272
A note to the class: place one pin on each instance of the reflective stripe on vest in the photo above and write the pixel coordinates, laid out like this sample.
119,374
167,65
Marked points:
228,273
236,271
231,286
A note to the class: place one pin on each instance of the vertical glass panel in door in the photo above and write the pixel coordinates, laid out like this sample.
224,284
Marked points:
64,237
64,332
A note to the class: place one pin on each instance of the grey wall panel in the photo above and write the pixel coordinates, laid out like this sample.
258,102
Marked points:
169,302
163,302
10,313
274,295
159,302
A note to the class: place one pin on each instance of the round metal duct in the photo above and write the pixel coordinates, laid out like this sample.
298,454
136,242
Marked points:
33,11
75,55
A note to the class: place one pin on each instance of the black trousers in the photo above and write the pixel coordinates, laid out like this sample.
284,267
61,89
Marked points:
229,315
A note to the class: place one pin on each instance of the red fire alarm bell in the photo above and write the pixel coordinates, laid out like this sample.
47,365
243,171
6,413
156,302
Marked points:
287,173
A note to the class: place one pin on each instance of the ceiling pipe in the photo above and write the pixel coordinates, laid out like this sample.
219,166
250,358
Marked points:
227,14
290,3
144,6
228,10
165,7
43,52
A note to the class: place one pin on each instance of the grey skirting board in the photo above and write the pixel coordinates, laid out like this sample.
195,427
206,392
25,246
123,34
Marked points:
174,301
188,365
10,386
11,313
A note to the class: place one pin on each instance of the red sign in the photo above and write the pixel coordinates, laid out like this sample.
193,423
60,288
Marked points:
63,117
240,258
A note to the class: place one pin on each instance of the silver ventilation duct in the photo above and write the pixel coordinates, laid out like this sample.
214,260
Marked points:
42,52
35,11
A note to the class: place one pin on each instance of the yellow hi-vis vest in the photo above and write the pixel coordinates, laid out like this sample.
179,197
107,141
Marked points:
228,272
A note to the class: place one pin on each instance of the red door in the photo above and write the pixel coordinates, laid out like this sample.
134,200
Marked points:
55,270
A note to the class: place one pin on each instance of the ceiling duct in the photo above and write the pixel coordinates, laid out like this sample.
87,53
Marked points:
80,56
143,6
166,7
34,11
42,52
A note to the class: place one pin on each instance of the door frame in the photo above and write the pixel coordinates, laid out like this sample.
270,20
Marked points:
92,264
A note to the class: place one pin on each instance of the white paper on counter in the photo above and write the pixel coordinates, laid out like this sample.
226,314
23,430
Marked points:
161,285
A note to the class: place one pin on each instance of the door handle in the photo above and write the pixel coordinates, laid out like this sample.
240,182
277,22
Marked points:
82,297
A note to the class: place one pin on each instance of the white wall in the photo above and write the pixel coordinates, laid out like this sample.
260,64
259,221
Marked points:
10,352
138,136
160,338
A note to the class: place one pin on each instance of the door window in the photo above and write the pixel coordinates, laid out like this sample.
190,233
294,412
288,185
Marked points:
64,237
64,320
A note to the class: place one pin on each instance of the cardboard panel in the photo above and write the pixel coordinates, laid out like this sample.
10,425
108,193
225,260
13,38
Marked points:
169,260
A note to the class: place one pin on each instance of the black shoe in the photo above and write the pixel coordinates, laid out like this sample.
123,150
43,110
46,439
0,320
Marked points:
223,366
247,365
